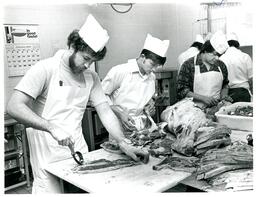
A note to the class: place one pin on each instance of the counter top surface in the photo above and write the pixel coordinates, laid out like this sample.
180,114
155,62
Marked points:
140,178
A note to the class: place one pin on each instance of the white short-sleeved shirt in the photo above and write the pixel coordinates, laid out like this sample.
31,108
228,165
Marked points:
127,87
36,81
239,65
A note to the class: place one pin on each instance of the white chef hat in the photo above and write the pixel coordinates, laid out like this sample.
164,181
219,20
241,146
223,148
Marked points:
232,36
219,42
199,39
156,45
93,34
208,36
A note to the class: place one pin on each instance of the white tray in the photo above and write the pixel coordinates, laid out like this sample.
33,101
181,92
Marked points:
232,121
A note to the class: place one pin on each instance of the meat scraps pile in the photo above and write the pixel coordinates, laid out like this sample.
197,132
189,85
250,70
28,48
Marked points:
195,134
216,161
198,136
204,146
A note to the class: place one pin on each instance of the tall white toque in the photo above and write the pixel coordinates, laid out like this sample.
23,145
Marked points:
199,39
232,36
156,45
208,36
219,42
93,34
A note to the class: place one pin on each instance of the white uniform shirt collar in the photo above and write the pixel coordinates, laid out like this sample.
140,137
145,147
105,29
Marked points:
134,68
59,53
59,57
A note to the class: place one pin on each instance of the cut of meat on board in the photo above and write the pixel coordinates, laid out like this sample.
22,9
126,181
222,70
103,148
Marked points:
145,136
161,147
238,155
186,164
104,165
111,146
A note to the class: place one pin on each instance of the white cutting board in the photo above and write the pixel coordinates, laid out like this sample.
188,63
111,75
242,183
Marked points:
140,178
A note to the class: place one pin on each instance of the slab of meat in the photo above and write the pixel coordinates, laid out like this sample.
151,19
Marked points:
147,136
104,165
161,147
111,146
238,155
187,164
184,143
210,112
210,137
209,132
183,115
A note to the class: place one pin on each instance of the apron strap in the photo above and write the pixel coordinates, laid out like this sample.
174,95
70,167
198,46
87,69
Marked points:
197,68
195,60
220,71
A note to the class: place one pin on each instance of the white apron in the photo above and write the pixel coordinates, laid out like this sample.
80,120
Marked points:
207,83
134,94
64,107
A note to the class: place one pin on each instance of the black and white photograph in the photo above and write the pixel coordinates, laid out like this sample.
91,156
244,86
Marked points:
119,97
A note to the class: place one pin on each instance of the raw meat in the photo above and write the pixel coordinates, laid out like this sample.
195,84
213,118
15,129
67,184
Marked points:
147,136
104,165
184,115
111,146
161,147
238,155
187,164
210,112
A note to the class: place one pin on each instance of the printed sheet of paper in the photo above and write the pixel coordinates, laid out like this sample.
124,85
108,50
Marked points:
22,48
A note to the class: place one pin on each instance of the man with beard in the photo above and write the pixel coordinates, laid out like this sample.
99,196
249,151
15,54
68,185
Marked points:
204,77
51,100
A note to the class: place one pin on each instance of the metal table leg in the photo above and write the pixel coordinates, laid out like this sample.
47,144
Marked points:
24,147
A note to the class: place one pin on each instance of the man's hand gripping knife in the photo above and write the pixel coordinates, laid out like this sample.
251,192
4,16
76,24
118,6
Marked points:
136,154
60,136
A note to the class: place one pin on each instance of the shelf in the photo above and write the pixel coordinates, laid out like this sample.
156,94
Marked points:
11,155
15,185
16,149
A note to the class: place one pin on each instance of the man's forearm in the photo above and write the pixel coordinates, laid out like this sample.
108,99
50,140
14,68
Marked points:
196,97
23,114
224,92
116,110
251,84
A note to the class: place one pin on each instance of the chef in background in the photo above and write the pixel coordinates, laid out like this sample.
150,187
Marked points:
192,51
204,77
130,86
239,65
208,36
52,97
